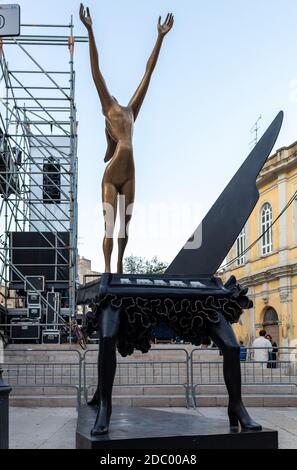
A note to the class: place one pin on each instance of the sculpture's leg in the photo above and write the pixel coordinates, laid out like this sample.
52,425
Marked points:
109,327
96,398
223,336
109,199
95,327
126,209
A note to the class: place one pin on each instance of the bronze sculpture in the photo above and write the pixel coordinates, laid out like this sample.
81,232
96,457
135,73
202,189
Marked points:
125,310
127,307
119,177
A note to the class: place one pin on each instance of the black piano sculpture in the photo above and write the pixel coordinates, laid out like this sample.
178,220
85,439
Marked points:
188,298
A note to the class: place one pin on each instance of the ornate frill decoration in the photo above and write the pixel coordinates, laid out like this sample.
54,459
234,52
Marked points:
189,318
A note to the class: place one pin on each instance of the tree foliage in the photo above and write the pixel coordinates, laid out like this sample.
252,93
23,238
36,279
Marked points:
138,265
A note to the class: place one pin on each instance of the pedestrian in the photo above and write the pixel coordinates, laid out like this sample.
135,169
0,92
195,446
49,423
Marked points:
272,364
243,352
262,347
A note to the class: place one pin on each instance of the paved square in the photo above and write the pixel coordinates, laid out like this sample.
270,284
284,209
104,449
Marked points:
54,428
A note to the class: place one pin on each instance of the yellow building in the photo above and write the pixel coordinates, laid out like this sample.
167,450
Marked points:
269,268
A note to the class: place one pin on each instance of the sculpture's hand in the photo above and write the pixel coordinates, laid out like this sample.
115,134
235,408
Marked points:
85,17
164,28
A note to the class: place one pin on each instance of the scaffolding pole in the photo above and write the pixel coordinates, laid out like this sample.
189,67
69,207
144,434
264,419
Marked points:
38,122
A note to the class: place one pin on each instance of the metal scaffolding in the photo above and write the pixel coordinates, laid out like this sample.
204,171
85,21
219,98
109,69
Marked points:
38,155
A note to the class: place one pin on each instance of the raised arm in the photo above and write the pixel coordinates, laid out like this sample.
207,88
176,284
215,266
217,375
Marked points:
138,97
105,98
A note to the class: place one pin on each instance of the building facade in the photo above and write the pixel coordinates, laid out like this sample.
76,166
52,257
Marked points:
85,272
269,267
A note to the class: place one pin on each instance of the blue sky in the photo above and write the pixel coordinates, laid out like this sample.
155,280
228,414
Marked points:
225,63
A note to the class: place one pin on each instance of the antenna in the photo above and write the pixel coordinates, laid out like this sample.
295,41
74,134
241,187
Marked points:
255,132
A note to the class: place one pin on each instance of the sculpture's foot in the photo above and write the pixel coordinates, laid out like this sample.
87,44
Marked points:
239,415
120,268
95,400
102,421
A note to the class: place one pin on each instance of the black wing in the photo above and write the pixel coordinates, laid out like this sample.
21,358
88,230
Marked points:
214,238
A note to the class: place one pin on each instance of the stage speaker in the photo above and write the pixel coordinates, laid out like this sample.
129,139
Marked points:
9,180
37,282
51,182
40,254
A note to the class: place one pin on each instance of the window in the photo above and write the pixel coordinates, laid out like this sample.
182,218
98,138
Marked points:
266,229
270,317
240,248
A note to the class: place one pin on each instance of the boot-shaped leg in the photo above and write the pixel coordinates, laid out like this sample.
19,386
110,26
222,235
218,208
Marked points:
236,410
107,370
223,336
108,323
96,398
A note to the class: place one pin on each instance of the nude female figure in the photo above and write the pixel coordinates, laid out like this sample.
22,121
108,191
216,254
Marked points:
119,177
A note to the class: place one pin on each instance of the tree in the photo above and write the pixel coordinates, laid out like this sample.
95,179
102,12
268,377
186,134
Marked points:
138,265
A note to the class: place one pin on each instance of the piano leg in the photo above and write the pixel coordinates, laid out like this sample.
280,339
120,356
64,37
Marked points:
96,398
109,322
223,336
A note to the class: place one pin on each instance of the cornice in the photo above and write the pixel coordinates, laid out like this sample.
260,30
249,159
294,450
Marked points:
274,167
269,275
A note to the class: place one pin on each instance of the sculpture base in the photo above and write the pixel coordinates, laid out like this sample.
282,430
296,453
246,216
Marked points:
142,428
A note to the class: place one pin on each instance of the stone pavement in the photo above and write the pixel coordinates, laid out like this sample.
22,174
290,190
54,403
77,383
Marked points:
54,428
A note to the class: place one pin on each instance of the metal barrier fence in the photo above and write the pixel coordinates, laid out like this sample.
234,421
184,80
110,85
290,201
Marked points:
68,370
279,371
150,373
23,371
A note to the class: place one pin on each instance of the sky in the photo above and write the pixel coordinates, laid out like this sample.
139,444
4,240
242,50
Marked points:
224,63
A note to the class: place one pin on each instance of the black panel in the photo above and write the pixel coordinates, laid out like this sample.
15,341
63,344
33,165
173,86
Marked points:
36,254
8,175
52,182
36,282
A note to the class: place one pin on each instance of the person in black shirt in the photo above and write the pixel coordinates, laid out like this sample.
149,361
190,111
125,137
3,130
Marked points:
273,354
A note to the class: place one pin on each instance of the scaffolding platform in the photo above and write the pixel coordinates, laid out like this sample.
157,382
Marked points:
38,164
